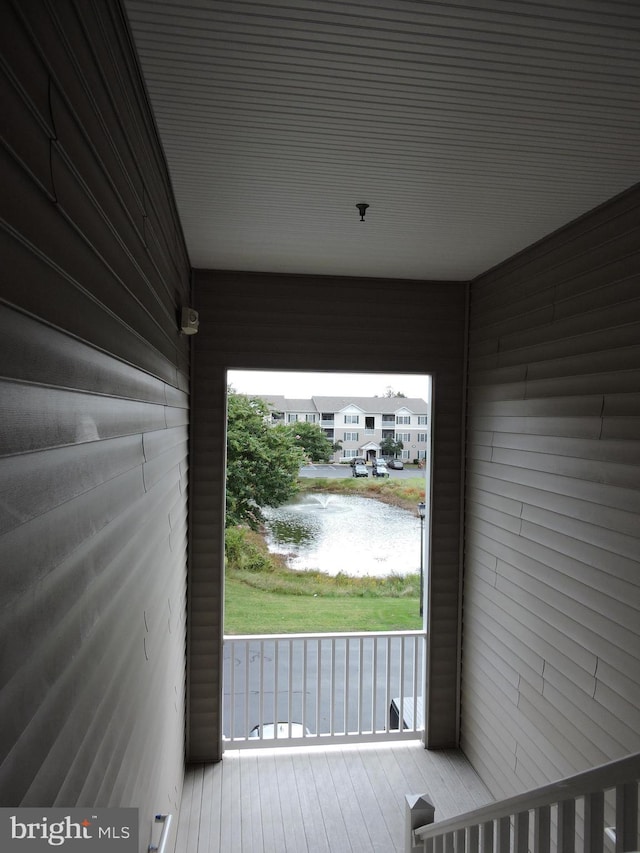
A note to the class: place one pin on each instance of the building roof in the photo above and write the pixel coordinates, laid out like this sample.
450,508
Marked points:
384,405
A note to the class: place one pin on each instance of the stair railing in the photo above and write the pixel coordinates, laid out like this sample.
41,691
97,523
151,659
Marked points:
574,806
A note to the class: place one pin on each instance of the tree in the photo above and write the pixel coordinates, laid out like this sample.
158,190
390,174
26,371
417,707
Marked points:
389,392
390,447
312,439
263,461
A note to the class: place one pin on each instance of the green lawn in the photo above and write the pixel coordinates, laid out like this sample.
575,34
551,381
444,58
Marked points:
255,611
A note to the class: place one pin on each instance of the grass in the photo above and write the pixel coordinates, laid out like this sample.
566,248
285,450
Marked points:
253,611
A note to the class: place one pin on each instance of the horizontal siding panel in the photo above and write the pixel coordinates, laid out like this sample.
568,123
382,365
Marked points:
586,510
619,452
623,716
619,282
19,125
601,537
55,359
621,725
543,637
107,225
28,409
578,355
495,643
545,324
559,247
554,565
94,510
552,502
75,310
618,683
37,483
156,443
596,470
28,69
584,291
568,427
102,651
163,466
574,406
609,496
74,70
611,318
537,756
582,749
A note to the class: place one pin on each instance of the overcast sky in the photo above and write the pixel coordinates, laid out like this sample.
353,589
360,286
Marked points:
296,385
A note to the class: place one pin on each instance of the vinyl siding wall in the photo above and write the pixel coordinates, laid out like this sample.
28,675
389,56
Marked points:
309,323
93,424
551,616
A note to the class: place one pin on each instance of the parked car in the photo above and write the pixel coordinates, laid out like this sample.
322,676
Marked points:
267,731
358,460
380,468
360,470
396,464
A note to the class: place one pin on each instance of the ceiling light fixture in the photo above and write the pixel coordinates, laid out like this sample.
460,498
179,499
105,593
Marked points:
362,208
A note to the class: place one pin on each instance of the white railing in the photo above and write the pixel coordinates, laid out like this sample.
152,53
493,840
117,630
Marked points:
310,688
592,811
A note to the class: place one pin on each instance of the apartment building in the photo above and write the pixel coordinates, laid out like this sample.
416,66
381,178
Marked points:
360,424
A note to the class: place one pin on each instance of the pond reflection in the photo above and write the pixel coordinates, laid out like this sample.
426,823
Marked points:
343,533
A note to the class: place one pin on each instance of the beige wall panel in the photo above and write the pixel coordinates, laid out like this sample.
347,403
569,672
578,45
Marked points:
552,567
306,323
94,432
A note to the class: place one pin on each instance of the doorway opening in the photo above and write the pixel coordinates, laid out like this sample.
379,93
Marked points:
327,544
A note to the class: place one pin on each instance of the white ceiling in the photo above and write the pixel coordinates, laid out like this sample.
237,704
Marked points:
472,128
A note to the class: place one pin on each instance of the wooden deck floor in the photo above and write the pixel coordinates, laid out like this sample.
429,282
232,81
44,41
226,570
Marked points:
337,799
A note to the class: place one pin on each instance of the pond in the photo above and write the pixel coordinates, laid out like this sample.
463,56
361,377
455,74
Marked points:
344,533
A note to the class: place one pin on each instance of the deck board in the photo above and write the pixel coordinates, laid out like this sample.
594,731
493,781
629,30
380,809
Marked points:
337,799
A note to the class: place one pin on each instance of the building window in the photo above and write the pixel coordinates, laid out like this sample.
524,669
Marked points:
352,419
422,420
349,454
405,454
421,454
422,436
310,419
351,436
292,419
403,436
403,419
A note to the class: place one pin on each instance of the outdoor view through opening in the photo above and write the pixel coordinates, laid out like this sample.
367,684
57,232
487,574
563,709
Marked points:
326,555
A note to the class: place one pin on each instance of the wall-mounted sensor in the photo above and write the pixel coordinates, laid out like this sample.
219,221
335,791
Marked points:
189,321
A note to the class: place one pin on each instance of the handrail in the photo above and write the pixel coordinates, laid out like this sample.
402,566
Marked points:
618,772
160,847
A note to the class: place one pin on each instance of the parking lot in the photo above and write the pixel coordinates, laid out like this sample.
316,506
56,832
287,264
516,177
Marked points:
338,470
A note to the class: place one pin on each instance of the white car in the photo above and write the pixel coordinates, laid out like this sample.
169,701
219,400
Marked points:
269,733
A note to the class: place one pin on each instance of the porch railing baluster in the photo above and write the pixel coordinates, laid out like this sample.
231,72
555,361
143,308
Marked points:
356,675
